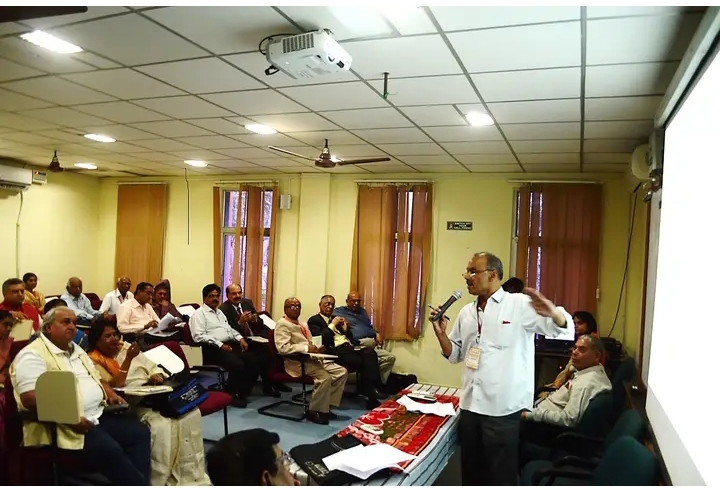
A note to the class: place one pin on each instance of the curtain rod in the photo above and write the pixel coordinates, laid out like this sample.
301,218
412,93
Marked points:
552,181
243,182
393,181
141,182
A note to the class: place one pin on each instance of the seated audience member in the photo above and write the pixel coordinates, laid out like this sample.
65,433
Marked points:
177,454
337,339
13,290
222,345
249,458
115,298
513,285
117,445
162,305
242,317
136,315
33,296
80,337
362,330
565,407
7,321
80,304
292,337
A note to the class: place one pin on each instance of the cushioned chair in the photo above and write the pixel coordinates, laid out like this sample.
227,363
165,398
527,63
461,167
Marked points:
94,299
204,367
194,304
626,462
625,372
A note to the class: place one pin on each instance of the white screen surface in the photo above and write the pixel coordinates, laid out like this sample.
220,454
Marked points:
682,375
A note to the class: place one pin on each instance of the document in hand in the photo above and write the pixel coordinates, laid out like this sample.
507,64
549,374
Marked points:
267,321
363,461
167,321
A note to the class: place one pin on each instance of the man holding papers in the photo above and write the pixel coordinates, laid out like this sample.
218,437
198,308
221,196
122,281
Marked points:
136,318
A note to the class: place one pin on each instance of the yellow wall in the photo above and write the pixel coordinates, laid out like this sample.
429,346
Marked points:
635,285
58,232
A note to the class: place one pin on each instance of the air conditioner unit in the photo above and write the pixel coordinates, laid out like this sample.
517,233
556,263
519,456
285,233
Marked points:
39,177
15,179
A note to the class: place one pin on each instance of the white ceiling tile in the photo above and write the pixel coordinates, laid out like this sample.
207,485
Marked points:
233,164
516,48
56,90
202,76
85,149
619,129
546,130
528,84
621,108
92,13
302,122
612,158
463,18
28,54
435,115
20,123
438,159
186,107
29,138
639,39
223,30
213,142
595,11
124,83
198,154
554,146
156,156
255,65
464,133
553,168
63,135
12,101
386,167
267,140
487,159
221,126
255,102
122,147
398,135
280,162
122,158
63,116
495,168
348,169
96,61
566,110
245,153
335,96
611,145
409,19
417,149
120,132
171,129
450,168
149,43
13,71
303,169
605,168
403,57
122,112
481,147
163,145
317,138
433,90
368,118
12,28
345,22
537,158
631,79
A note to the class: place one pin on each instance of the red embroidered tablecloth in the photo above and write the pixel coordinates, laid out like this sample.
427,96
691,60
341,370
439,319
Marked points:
410,432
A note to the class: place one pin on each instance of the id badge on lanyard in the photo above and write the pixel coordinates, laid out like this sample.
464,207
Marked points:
472,358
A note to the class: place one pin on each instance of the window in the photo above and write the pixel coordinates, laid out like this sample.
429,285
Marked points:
247,232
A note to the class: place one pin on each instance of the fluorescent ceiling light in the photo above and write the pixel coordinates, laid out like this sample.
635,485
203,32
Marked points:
196,163
86,166
260,129
479,119
100,138
50,42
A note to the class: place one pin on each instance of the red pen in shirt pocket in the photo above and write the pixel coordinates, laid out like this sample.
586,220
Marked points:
506,322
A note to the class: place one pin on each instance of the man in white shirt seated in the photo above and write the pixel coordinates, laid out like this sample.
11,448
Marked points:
224,346
115,298
116,445
136,315
80,304
565,407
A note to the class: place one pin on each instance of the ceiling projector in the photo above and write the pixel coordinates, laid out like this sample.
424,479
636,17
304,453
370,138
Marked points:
308,55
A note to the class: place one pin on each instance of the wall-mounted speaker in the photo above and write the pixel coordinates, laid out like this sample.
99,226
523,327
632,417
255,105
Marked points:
285,201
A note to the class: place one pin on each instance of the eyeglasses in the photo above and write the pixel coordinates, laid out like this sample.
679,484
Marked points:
467,274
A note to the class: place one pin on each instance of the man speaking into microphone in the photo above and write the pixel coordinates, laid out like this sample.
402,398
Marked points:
494,337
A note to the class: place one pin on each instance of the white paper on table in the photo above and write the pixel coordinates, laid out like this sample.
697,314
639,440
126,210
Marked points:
258,339
317,341
363,461
186,311
162,355
436,408
267,321
167,321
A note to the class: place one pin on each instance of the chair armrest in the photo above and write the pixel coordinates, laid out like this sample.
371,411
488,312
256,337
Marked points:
576,444
577,462
552,474
208,368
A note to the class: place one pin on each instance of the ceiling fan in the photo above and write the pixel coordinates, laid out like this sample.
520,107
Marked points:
326,160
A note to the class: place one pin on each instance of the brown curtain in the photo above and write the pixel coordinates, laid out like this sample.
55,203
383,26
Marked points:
391,256
254,248
559,242
140,237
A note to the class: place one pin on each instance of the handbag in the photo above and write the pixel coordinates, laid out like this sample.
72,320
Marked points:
185,397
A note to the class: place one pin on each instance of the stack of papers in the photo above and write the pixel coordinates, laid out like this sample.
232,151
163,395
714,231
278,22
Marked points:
164,324
363,461
436,408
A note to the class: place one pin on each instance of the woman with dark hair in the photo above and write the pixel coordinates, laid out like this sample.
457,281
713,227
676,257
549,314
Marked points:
33,297
177,454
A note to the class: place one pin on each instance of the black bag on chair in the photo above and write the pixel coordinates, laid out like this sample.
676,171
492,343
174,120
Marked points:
184,398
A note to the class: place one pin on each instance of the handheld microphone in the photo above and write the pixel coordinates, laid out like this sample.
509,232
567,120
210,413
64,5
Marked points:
451,300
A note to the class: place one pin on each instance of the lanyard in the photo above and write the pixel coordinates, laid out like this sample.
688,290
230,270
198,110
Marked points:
479,320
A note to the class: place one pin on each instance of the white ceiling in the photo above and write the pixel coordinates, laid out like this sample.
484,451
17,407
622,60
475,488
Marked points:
572,89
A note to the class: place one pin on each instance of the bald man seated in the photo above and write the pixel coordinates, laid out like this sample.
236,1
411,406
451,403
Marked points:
292,337
80,304
115,298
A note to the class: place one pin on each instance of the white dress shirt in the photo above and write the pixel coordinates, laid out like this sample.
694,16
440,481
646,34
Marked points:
503,382
81,306
133,317
566,406
29,366
211,326
113,300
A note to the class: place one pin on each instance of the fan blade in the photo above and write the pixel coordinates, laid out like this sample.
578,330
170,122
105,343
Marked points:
291,153
366,160
12,14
